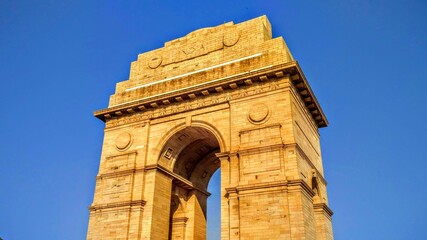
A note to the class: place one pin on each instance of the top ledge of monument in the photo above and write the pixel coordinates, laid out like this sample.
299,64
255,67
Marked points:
198,33
209,49
206,40
201,59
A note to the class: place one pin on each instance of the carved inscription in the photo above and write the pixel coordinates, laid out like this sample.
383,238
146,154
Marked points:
117,163
194,45
116,185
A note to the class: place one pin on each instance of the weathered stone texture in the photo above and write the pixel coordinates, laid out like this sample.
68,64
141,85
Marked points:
227,97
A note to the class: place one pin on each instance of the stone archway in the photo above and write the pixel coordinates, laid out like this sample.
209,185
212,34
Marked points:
191,154
232,97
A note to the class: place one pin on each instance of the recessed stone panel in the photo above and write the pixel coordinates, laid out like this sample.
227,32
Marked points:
258,161
118,163
260,136
116,185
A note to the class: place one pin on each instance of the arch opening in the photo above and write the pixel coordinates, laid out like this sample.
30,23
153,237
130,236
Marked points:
190,154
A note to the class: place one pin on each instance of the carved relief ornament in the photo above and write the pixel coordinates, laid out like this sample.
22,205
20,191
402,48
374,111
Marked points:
191,105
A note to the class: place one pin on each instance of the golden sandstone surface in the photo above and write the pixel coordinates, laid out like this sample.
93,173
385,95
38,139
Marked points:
228,97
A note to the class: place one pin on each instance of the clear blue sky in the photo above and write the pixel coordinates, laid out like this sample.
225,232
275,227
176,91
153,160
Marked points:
365,60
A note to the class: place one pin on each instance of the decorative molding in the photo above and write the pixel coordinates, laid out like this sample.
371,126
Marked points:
260,148
123,141
119,173
259,113
191,73
223,155
323,207
122,154
291,186
260,127
271,75
155,61
137,203
231,36
179,220
300,185
262,186
199,102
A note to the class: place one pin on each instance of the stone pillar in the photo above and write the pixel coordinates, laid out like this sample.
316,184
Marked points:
158,193
196,209
234,213
225,183
135,220
233,197
322,215
301,211
179,228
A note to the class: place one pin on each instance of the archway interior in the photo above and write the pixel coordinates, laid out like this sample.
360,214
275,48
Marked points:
190,155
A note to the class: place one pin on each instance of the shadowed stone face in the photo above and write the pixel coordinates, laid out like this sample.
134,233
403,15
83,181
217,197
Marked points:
191,147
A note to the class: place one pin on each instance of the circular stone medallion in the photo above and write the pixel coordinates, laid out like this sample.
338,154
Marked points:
123,141
258,113
154,62
231,36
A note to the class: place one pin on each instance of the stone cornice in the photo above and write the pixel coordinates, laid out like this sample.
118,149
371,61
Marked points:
260,148
261,186
323,207
128,171
179,220
291,185
259,127
267,74
122,154
223,155
301,84
300,185
118,173
137,203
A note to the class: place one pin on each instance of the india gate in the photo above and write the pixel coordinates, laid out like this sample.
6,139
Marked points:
228,97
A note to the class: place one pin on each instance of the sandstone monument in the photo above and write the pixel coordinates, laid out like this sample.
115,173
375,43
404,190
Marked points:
228,97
